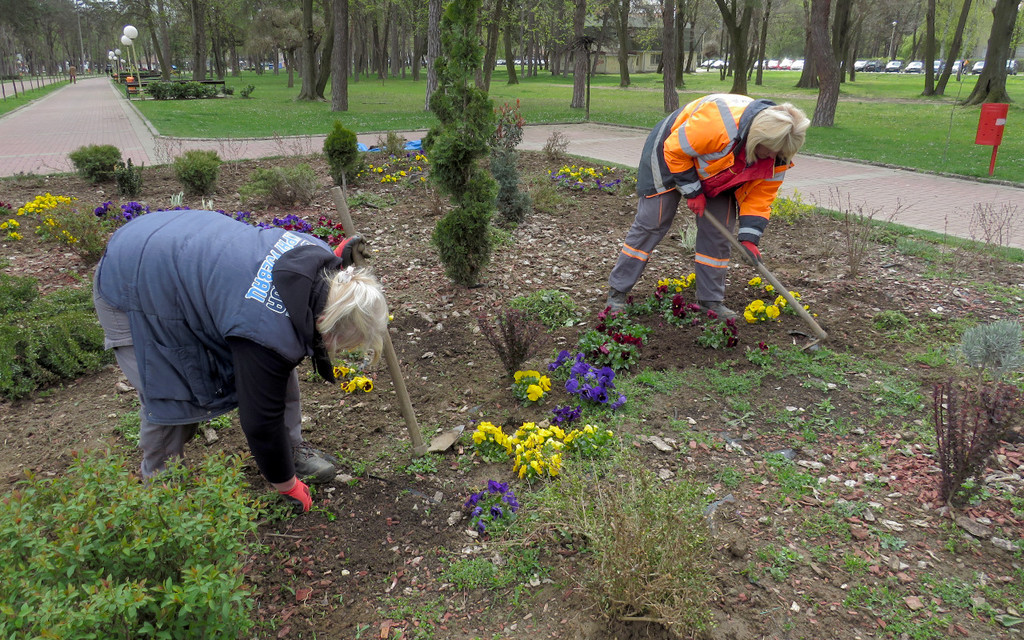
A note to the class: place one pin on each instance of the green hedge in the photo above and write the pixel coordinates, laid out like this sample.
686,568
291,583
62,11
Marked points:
46,340
180,90
97,553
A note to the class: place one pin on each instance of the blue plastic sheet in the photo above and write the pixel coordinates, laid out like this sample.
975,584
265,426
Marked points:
410,145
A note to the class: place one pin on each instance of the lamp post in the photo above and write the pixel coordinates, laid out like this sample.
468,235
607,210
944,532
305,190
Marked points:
81,44
892,41
117,65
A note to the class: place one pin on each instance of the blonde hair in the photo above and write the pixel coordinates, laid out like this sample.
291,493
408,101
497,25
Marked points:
355,315
781,128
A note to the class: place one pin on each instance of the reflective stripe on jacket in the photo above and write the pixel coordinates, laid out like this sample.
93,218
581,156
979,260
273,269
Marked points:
698,141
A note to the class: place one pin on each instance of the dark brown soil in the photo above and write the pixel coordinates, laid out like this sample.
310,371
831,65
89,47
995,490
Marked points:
369,561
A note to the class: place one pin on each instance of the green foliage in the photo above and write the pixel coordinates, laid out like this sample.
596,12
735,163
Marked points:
552,308
246,91
16,293
508,132
513,202
197,171
55,338
994,347
650,545
98,553
790,210
181,90
283,186
890,321
456,144
601,351
70,224
342,152
129,179
96,162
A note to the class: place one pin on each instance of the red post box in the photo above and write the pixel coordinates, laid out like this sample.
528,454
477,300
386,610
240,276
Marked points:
990,128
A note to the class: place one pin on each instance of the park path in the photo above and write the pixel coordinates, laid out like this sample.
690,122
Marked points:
38,137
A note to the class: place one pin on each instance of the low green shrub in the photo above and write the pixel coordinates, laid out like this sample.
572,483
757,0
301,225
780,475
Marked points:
650,545
552,308
197,171
77,226
96,162
180,90
281,185
246,91
16,293
513,203
98,553
54,338
129,179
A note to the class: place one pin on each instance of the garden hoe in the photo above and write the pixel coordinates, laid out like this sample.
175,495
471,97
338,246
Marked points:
357,247
820,334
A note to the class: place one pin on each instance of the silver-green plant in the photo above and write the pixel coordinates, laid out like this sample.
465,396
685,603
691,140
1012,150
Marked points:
994,348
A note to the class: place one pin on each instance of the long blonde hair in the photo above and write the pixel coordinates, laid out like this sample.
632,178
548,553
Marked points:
355,315
781,128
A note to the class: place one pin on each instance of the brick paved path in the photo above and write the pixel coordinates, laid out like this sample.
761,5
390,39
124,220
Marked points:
38,137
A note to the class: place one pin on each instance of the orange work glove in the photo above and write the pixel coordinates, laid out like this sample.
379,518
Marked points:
697,204
299,496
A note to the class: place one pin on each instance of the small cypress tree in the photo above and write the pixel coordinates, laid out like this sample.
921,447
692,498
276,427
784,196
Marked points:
456,144
342,151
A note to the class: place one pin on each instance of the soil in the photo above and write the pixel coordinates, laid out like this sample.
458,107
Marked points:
369,560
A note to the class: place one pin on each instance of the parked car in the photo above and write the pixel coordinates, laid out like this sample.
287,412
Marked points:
786,64
798,65
1011,67
773,64
938,66
874,65
893,66
955,69
859,65
978,67
914,67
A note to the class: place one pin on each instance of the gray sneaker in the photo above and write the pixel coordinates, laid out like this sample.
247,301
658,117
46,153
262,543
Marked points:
312,465
718,307
616,300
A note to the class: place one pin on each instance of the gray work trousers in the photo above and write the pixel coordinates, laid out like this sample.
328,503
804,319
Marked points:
654,217
161,442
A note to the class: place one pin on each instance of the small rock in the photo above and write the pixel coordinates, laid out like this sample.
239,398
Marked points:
659,444
1005,545
428,354
859,533
975,529
665,474
454,517
914,603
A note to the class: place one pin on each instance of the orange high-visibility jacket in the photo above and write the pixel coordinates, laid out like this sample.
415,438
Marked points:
700,140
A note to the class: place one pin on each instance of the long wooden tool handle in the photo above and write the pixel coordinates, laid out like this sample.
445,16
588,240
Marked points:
768,275
394,369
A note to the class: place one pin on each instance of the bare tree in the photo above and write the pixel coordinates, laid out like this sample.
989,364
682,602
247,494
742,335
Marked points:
954,47
308,92
737,15
579,56
668,56
340,57
433,47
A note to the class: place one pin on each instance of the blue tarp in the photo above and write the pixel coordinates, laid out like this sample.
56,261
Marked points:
411,145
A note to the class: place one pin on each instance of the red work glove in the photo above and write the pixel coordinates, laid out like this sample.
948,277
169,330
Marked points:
697,204
752,249
299,496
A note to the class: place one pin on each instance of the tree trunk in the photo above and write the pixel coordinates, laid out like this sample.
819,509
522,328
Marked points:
579,54
763,41
433,47
621,11
827,67
680,35
841,31
491,52
510,62
324,66
929,51
164,48
670,98
809,75
417,53
308,90
954,47
340,57
991,86
198,40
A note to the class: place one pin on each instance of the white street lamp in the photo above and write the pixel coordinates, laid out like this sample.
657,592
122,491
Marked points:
892,41
131,32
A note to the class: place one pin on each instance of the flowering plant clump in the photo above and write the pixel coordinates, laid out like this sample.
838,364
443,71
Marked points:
674,285
589,442
586,382
491,442
350,381
530,386
43,203
787,308
567,414
537,449
579,178
682,313
763,355
509,130
397,169
492,509
11,226
717,334
328,230
758,311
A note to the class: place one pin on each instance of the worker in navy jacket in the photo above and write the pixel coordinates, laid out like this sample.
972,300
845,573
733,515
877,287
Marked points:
206,314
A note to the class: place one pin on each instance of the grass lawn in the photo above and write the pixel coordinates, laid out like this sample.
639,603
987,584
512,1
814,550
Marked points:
881,117
28,90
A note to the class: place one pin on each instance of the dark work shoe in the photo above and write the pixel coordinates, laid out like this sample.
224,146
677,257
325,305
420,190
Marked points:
718,307
311,465
616,300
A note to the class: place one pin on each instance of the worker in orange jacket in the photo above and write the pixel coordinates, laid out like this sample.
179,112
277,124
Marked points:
726,154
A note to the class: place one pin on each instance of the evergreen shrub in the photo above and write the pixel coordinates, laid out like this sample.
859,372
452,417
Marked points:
129,179
197,171
96,162
342,151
